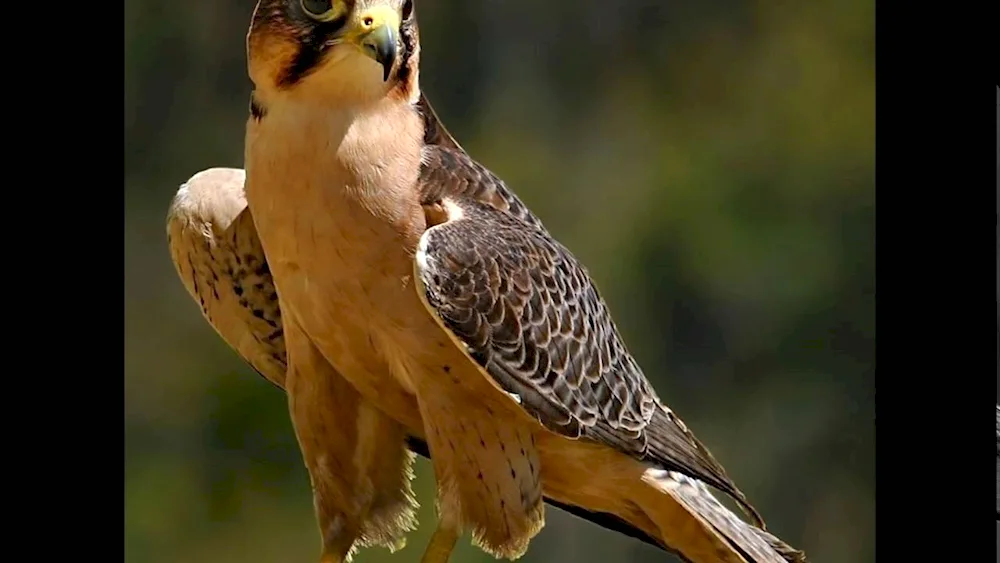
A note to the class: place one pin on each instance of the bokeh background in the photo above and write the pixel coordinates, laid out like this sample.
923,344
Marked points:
711,161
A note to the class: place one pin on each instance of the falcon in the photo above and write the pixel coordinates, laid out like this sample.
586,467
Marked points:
430,288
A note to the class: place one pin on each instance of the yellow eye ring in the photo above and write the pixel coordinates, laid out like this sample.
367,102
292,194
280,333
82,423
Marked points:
322,10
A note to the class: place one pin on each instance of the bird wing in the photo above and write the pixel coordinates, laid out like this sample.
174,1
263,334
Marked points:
435,132
528,313
218,256
449,173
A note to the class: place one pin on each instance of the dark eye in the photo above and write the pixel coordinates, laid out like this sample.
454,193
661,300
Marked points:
323,10
407,9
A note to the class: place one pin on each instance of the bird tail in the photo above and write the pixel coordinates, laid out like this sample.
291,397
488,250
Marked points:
701,529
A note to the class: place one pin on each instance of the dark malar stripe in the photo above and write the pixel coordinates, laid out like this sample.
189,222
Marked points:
313,44
257,111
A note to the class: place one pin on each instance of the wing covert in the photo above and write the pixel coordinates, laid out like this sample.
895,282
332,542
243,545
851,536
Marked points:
448,173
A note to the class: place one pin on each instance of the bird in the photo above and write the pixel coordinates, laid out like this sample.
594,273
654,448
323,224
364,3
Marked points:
216,252
446,304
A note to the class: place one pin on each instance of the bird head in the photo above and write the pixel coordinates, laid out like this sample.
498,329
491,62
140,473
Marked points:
343,52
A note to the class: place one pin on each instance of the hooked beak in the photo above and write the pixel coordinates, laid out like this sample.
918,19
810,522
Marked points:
378,36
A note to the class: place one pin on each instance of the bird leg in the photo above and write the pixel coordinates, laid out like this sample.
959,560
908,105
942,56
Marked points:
441,545
324,410
331,557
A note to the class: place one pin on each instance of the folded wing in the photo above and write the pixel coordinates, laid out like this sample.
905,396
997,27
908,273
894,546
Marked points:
529,314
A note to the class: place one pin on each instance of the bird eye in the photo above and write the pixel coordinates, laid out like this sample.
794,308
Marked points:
407,9
322,10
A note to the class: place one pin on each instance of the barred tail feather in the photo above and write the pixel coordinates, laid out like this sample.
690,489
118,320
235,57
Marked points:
701,529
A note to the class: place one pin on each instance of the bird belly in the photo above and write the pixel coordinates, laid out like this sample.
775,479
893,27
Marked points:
345,276
323,283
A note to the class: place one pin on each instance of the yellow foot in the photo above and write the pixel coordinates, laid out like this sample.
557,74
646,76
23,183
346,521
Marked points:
441,545
336,555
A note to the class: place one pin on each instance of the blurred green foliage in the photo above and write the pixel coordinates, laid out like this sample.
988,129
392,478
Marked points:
712,162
